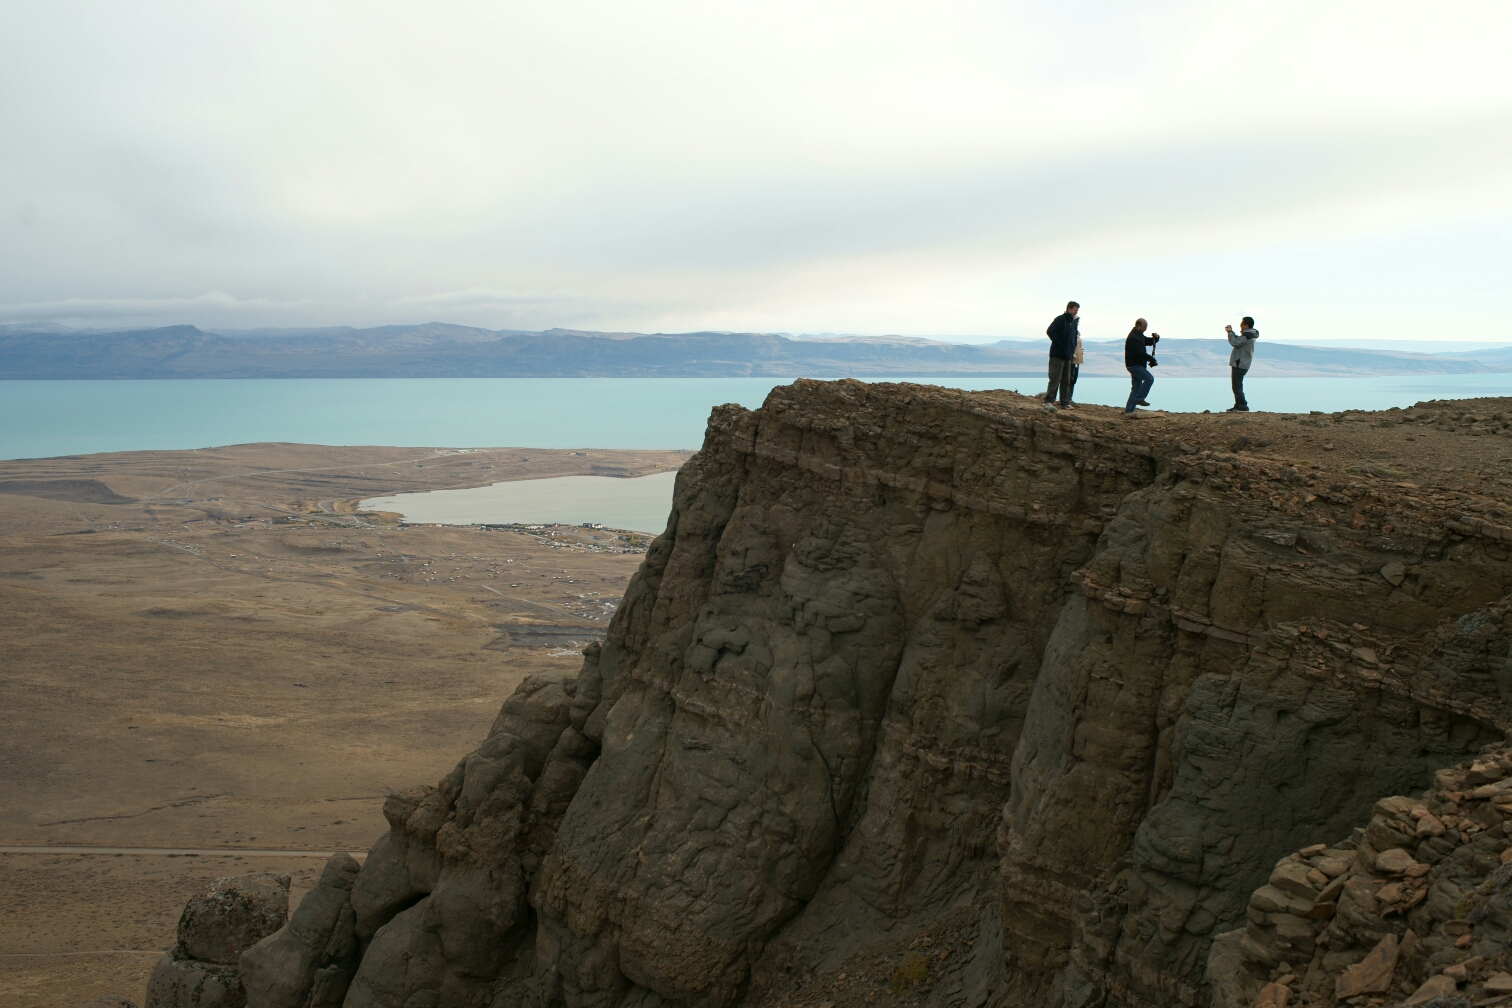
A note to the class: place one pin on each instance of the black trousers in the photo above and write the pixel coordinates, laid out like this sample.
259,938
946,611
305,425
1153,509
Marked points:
1062,377
1236,375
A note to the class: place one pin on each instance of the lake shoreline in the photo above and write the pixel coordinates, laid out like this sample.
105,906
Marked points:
57,418
636,504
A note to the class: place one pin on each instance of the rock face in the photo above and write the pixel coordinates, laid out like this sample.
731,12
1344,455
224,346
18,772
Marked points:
309,960
926,693
440,906
1416,904
214,930
180,982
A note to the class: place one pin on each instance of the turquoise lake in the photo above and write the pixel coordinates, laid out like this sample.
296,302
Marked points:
46,418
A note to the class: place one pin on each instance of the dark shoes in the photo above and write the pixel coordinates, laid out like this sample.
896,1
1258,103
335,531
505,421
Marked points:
1141,403
1237,409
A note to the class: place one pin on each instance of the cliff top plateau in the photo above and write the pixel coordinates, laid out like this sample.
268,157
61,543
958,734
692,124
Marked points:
926,697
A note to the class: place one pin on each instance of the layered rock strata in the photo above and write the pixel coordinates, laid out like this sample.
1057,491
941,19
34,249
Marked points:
925,694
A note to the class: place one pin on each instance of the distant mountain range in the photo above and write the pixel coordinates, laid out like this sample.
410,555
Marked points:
440,350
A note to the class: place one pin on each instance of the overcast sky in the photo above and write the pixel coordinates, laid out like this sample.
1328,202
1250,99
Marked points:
1335,169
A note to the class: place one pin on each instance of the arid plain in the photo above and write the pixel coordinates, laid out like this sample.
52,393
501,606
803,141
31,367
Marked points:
210,649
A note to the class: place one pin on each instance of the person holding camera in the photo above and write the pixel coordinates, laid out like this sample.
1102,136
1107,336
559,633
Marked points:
1240,359
1138,363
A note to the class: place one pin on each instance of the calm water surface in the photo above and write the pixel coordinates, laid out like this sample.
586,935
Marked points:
640,504
46,418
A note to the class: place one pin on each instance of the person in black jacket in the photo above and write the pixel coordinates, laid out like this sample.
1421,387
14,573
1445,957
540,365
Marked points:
1138,363
1063,336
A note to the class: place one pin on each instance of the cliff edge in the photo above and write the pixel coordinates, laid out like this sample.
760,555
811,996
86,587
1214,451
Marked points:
927,697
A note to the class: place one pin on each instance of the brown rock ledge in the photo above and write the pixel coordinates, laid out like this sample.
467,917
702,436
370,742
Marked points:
928,697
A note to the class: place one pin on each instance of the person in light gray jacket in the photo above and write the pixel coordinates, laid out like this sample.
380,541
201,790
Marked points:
1240,359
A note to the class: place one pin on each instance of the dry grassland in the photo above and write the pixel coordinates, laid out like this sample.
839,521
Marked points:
209,649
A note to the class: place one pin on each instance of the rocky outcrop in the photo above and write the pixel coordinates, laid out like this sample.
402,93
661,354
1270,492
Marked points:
215,929
927,694
1415,905
308,961
440,905
233,915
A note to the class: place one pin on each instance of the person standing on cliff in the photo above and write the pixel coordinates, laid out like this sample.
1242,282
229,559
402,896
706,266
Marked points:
1240,359
1063,339
1076,363
1138,362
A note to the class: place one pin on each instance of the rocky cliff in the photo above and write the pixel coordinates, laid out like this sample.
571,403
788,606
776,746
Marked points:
1416,905
927,697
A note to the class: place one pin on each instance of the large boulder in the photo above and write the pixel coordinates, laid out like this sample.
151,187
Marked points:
216,927
281,971
233,915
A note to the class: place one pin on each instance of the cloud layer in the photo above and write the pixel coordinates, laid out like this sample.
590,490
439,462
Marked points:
880,167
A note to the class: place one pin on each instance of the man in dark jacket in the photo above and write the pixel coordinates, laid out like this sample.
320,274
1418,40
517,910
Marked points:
1138,362
1063,335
